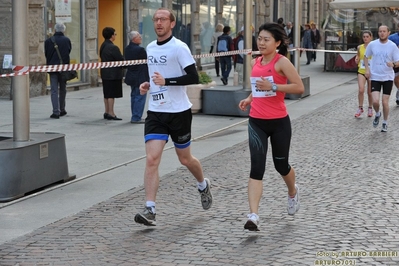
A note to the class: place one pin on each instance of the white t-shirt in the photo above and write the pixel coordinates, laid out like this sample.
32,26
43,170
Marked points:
382,53
169,60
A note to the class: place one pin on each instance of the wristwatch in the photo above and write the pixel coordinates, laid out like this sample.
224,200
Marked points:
274,87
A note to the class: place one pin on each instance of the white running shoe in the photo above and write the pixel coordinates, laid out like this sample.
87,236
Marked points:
252,223
293,203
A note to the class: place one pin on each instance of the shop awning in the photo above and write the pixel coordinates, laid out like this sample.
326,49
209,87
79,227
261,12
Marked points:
363,4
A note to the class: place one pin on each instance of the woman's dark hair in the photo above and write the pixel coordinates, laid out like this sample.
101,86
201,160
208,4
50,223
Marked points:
278,34
108,32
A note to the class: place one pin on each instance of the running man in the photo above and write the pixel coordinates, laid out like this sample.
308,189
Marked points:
171,67
380,72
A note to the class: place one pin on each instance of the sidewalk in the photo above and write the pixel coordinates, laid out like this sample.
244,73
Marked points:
348,191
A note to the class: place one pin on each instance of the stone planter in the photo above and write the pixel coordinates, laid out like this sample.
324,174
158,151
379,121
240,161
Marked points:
194,93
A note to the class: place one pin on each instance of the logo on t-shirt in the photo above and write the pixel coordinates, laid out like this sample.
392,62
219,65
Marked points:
157,60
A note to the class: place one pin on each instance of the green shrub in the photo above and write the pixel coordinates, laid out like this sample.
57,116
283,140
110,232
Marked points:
204,78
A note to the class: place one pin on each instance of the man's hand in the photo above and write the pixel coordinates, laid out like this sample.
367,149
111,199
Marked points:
158,79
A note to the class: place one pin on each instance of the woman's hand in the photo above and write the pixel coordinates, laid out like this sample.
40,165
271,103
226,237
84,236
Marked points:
144,87
244,103
263,84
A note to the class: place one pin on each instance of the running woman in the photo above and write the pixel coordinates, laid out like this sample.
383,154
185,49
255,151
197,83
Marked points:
268,117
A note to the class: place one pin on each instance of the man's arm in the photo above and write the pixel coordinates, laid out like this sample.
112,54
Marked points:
191,77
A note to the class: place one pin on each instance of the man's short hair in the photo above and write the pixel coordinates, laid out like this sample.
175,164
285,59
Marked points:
226,29
59,27
133,34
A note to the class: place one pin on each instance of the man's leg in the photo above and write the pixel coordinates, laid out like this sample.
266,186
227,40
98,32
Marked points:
385,106
228,67
154,150
54,93
396,81
386,93
223,66
375,92
63,93
195,168
137,103
192,163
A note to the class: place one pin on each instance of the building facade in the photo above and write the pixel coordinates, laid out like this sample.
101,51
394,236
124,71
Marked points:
85,19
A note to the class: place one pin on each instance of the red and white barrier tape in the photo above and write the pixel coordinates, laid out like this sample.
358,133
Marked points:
25,70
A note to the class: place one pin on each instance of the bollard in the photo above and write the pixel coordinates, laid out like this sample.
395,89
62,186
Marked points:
235,81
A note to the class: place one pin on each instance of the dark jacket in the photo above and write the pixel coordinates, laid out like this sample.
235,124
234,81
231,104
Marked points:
64,46
136,74
315,37
110,52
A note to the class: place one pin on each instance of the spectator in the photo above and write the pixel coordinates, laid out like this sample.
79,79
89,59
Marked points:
307,43
111,77
239,67
215,36
52,58
315,38
225,44
135,75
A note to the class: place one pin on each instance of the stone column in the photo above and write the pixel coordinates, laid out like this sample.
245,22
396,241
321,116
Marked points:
91,11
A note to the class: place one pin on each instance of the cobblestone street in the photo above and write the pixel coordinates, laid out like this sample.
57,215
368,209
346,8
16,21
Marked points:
347,172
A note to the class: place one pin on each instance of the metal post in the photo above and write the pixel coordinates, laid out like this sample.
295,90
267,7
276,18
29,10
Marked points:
297,32
247,43
20,55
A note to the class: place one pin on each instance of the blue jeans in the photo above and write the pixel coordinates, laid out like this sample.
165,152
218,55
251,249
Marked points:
137,102
225,64
57,99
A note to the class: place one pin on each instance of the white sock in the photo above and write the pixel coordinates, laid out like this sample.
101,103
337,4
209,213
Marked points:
202,185
377,113
385,122
151,204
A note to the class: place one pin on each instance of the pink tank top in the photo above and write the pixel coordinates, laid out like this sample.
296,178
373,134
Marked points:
273,105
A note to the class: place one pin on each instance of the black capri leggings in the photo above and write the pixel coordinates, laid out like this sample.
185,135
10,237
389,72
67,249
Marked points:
279,131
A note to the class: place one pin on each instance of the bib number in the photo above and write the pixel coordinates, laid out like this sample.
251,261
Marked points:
161,96
261,93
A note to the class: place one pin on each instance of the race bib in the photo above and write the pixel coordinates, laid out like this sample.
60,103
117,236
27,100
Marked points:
161,96
362,66
260,93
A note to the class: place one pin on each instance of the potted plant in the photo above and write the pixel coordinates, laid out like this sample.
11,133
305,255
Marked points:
194,91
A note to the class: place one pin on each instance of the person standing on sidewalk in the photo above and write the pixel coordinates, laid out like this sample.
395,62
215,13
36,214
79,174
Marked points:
268,117
361,78
307,43
385,56
57,83
214,41
111,77
225,44
395,38
171,67
239,65
135,75
315,38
